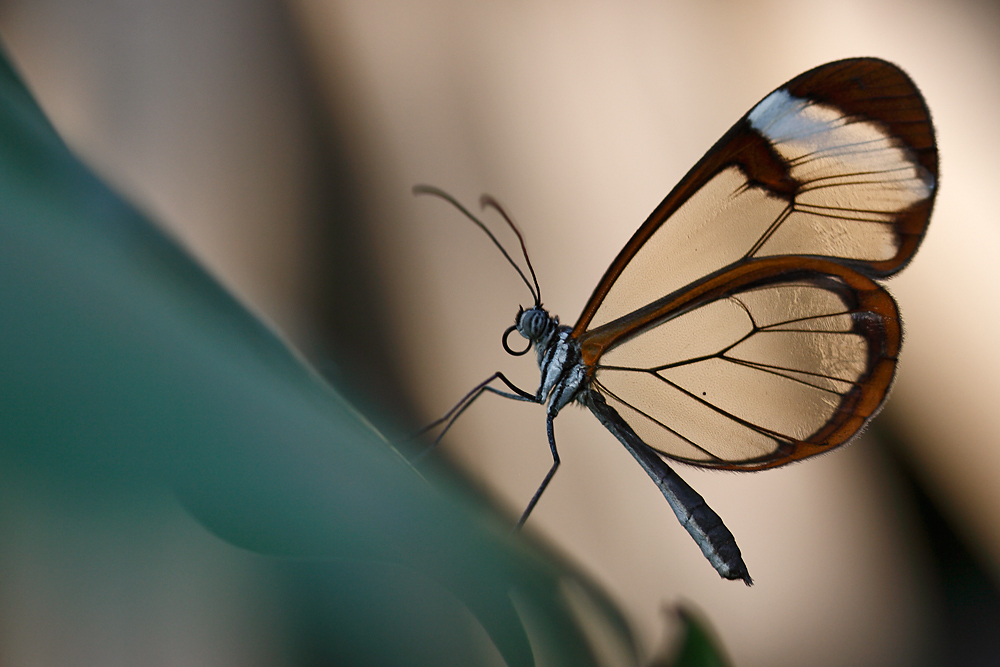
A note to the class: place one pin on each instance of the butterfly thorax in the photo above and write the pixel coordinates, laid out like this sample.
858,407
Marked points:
564,375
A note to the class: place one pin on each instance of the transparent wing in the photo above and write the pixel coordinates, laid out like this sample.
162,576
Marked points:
839,163
770,362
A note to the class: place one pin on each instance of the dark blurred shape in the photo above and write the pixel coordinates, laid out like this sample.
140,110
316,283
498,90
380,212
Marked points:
969,598
347,309
697,645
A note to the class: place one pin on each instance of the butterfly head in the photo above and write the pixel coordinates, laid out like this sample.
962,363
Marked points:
534,324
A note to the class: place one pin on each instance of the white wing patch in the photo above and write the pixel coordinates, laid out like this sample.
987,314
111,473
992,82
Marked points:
819,141
854,179
780,117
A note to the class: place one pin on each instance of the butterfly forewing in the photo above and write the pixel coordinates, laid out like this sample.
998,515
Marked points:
741,326
840,162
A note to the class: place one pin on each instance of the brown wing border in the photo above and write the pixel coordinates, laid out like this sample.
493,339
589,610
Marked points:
877,320
868,88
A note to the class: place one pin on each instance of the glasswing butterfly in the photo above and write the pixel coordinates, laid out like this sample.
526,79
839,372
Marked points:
743,326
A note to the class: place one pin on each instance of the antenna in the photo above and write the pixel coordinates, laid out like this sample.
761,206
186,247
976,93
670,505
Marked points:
487,201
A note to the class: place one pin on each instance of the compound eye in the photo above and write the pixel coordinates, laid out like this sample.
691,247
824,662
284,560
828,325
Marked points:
533,324
527,324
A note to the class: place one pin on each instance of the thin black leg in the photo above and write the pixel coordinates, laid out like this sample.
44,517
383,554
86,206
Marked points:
548,478
455,412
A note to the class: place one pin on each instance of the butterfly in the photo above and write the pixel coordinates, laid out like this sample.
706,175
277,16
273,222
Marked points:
743,326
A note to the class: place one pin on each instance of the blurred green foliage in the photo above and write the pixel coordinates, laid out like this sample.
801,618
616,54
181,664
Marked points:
696,647
130,375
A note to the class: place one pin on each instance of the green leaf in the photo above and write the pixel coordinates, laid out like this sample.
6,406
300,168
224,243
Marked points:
697,646
129,372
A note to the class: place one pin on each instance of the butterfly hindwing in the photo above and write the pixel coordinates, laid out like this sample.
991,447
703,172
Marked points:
755,367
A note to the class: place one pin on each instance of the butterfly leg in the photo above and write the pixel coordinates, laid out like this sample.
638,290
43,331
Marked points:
449,418
548,477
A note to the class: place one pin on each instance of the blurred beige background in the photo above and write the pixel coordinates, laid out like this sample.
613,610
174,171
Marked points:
579,116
